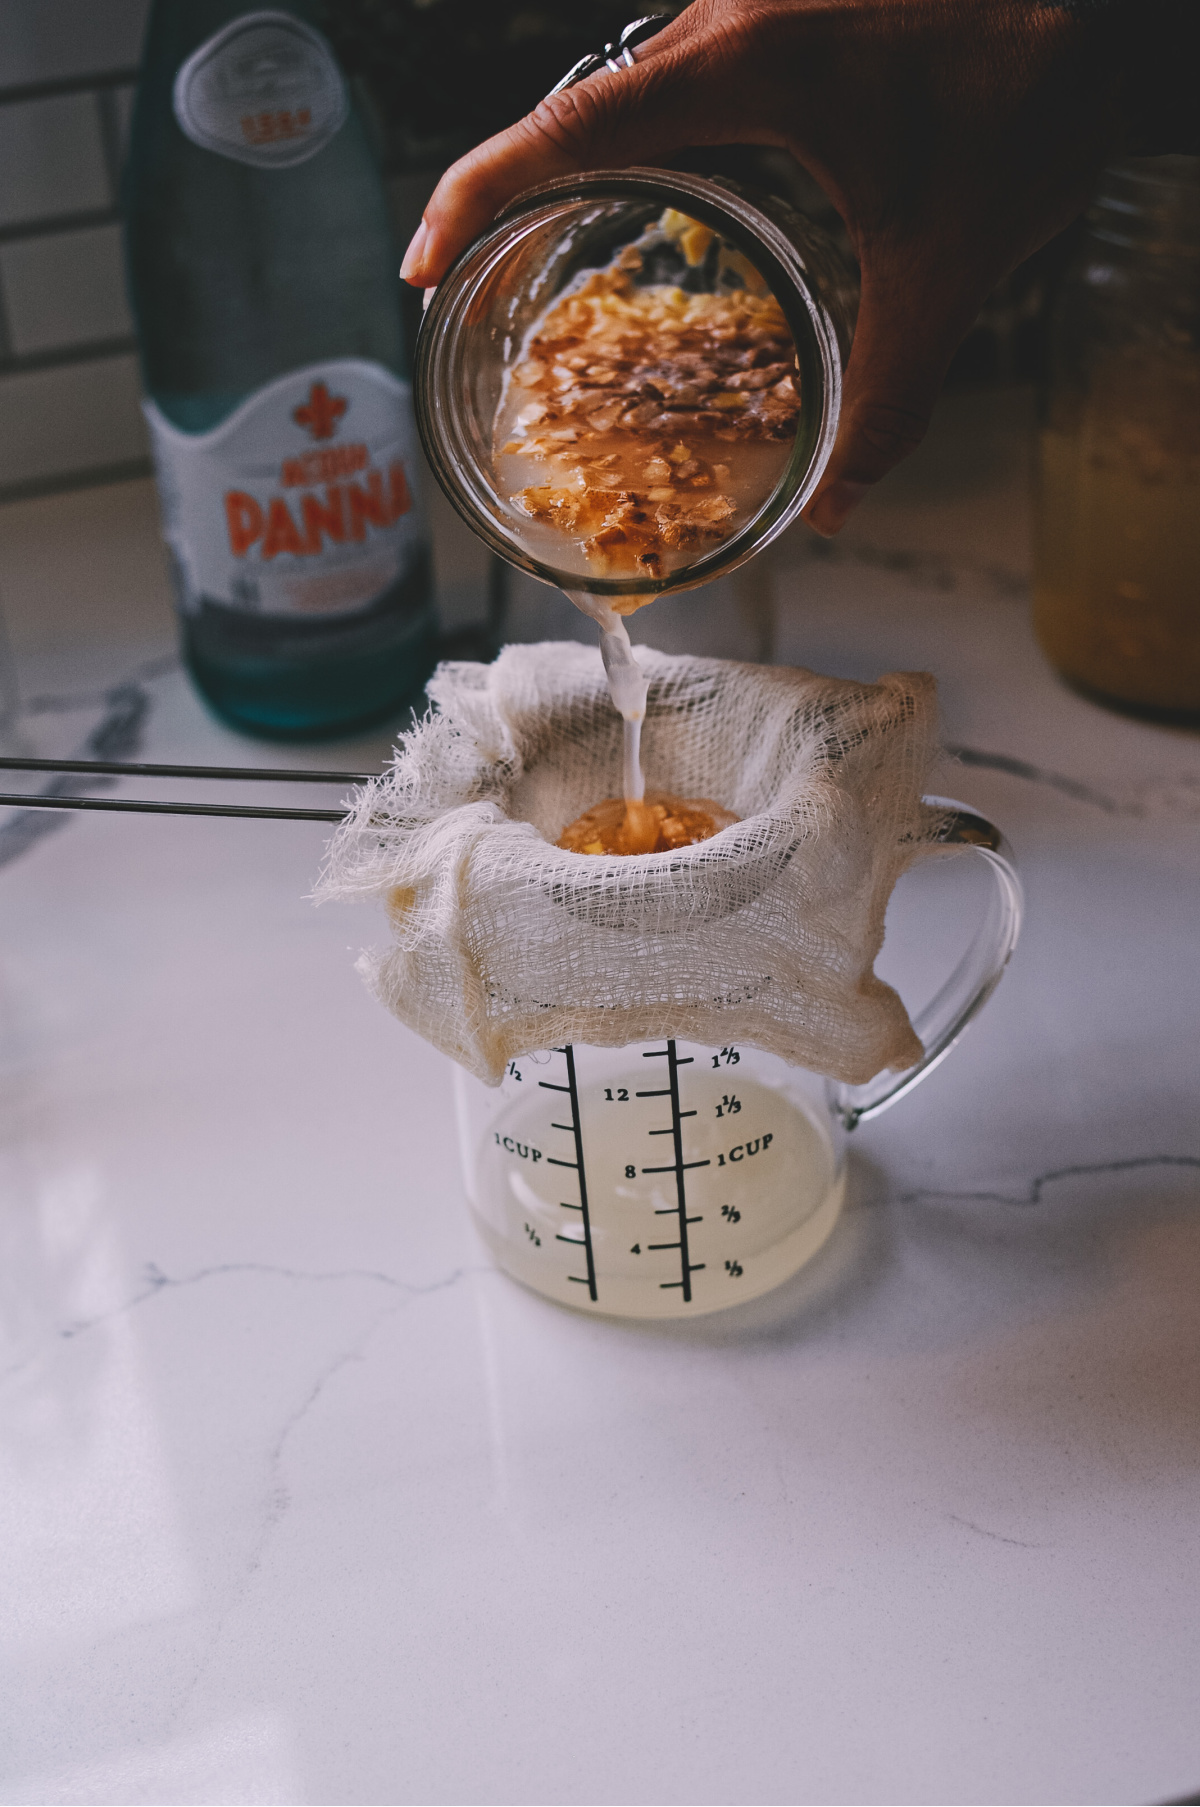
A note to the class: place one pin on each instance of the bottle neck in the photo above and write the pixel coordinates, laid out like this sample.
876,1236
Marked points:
1150,206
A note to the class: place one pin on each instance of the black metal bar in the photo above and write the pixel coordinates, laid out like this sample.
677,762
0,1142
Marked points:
123,769
138,806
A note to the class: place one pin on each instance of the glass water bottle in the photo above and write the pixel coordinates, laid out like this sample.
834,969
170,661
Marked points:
263,278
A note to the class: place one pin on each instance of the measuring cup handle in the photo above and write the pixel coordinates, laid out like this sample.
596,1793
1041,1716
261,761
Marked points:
973,980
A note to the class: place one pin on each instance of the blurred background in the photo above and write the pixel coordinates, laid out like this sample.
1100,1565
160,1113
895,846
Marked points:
69,392
431,78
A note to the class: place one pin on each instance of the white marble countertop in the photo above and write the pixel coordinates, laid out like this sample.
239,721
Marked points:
303,1502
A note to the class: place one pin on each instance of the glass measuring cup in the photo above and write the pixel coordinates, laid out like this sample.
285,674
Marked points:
668,1179
479,318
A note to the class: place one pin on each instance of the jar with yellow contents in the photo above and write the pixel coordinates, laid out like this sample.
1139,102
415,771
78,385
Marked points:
1117,524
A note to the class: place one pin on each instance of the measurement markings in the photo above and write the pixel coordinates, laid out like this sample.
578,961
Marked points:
679,1167
575,1128
674,1245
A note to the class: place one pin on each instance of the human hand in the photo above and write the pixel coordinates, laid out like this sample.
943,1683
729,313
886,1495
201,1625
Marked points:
953,136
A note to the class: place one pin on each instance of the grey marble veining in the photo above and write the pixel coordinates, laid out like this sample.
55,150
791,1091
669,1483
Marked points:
303,1501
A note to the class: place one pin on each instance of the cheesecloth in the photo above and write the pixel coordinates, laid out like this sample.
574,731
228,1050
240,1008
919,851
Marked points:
766,934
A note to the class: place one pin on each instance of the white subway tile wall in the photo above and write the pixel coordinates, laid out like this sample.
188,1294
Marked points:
69,398
70,420
121,102
51,159
59,40
65,290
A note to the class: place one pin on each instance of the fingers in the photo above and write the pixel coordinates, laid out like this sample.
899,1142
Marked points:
671,97
903,342
591,125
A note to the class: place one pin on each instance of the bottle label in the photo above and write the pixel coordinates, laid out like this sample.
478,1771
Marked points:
265,90
302,502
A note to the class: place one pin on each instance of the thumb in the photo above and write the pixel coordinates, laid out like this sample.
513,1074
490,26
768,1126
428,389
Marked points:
606,122
903,343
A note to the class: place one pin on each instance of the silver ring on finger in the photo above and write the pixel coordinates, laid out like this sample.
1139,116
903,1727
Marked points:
615,56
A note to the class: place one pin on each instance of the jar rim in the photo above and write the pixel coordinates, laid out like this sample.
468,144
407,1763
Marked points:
781,262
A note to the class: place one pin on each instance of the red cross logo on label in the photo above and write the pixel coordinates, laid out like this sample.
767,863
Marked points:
321,413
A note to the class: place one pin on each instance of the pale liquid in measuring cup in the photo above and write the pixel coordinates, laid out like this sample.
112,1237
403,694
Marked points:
658,1181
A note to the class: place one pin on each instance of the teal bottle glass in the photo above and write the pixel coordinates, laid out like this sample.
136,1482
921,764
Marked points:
263,276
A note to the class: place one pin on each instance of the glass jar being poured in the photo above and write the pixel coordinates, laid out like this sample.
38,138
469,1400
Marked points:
628,387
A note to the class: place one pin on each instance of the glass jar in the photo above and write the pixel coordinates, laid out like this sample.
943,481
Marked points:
1117,525
478,321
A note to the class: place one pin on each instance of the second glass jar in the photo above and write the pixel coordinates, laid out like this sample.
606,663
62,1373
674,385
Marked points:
1117,549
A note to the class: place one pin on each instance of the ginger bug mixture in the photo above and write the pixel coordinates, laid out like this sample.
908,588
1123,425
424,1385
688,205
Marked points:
646,423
